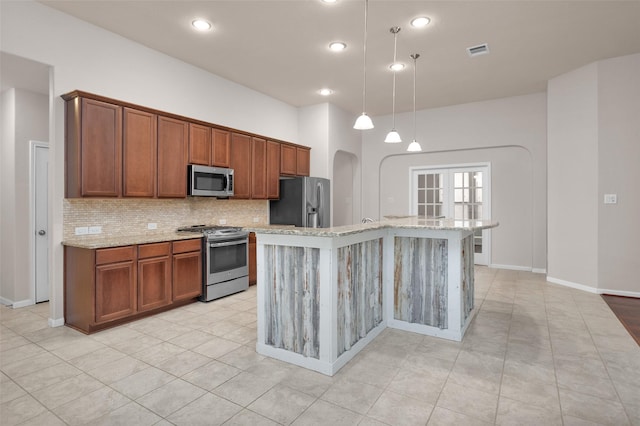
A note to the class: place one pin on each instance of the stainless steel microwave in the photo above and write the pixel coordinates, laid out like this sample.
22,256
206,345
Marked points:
204,181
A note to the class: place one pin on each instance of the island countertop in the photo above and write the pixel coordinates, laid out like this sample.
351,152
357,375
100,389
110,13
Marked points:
412,222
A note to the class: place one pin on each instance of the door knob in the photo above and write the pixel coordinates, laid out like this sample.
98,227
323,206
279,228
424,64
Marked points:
41,232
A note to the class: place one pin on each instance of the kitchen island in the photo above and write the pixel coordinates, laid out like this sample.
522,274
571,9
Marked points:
325,293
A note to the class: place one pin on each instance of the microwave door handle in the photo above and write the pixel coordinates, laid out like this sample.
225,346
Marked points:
225,183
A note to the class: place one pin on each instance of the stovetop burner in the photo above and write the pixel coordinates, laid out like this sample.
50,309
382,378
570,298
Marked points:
214,230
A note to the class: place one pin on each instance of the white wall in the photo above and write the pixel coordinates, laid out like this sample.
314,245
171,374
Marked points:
619,172
88,58
26,115
313,131
7,195
573,177
594,149
509,133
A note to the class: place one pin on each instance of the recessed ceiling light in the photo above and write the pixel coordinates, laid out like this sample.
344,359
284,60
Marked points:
398,66
201,24
420,22
325,92
329,1
337,46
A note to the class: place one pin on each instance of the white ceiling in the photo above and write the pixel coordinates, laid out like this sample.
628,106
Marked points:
280,47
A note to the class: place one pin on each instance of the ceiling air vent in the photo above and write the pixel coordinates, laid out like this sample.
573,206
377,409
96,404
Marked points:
480,49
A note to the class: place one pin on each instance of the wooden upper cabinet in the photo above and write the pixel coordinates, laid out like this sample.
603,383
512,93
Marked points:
93,148
199,144
273,170
139,153
240,162
288,160
221,149
303,161
173,137
258,168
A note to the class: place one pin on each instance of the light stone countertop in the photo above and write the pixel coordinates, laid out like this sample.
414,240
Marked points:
411,222
104,241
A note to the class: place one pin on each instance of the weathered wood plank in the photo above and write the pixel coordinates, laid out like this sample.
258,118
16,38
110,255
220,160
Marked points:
292,299
359,292
420,281
467,286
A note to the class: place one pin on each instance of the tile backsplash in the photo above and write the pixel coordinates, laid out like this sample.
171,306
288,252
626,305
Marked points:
127,216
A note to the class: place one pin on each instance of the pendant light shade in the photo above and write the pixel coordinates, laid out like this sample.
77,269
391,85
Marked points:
393,136
414,146
364,121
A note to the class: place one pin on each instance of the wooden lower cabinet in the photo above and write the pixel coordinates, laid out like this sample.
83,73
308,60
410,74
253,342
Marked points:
107,287
187,269
154,276
115,291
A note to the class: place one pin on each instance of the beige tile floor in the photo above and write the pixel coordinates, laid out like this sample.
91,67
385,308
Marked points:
536,354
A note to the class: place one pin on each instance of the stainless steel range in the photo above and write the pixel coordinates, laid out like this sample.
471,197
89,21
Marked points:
226,253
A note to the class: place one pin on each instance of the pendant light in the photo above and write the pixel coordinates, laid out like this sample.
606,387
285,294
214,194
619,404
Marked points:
393,136
364,122
414,146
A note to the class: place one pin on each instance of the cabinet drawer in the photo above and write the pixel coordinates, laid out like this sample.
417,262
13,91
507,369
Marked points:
154,250
116,254
187,245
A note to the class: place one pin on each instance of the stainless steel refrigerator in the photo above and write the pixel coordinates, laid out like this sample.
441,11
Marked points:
304,201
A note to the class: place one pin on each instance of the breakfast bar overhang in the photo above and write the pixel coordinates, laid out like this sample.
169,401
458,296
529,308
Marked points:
325,293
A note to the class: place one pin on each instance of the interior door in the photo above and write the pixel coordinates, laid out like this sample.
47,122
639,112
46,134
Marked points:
41,258
461,192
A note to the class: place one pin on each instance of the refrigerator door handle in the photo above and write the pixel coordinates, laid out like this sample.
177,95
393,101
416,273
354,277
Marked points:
319,195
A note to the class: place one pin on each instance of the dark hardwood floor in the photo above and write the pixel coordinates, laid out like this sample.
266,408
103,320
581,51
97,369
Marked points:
627,309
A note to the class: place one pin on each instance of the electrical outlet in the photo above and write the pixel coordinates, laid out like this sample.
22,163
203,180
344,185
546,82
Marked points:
152,226
222,222
82,230
610,198
256,219
95,230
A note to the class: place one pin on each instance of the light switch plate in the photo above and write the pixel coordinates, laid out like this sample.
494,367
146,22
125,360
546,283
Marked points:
222,221
610,198
152,226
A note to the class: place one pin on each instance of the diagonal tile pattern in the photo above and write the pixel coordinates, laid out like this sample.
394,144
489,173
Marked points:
536,353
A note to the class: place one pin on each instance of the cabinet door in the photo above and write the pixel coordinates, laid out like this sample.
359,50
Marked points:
100,149
259,168
241,164
273,170
288,160
173,136
221,148
199,144
139,154
115,290
154,283
303,161
187,275
253,269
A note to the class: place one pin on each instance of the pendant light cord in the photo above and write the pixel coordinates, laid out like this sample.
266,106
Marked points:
364,67
415,57
395,31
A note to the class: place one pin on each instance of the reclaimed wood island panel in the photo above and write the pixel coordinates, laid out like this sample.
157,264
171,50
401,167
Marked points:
324,294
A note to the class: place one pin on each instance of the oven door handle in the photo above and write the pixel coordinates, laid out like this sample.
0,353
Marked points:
228,243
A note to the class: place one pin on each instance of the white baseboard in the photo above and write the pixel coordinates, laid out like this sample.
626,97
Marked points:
510,267
23,303
539,270
572,285
635,294
56,322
